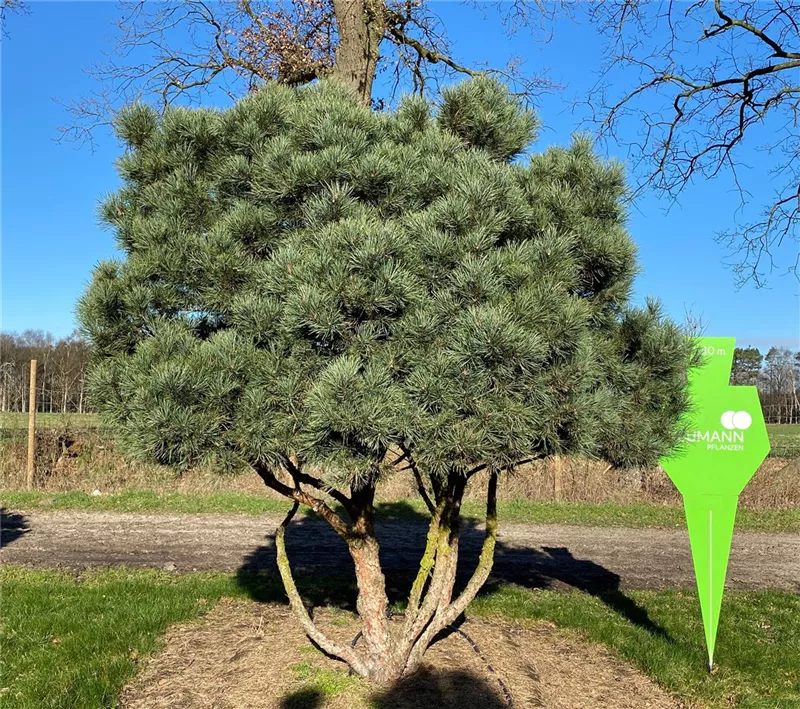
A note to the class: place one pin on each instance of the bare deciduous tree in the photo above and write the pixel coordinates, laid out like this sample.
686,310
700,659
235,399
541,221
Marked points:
179,51
61,376
780,385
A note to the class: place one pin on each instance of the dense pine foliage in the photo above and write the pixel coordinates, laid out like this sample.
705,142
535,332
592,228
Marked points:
305,277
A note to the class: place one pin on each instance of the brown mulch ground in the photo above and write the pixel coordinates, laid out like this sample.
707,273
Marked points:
249,655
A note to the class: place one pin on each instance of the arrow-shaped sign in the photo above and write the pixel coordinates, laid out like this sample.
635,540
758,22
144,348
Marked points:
726,442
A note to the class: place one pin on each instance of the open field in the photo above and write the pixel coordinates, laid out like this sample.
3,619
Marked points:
785,438
14,420
75,641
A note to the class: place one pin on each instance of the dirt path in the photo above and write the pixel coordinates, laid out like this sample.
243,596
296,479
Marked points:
593,559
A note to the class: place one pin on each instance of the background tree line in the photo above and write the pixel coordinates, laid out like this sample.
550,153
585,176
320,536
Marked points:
61,371
777,376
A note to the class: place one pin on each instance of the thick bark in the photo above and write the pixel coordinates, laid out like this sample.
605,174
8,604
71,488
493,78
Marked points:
372,603
360,25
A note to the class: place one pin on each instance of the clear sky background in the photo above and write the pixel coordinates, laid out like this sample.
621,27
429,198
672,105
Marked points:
51,239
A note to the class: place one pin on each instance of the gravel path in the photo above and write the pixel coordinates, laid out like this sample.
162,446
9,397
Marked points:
590,558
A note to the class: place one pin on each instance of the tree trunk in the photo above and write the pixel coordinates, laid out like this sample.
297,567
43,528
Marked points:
385,657
342,652
360,25
372,603
448,611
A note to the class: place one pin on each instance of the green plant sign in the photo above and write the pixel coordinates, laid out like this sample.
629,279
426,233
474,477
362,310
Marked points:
726,442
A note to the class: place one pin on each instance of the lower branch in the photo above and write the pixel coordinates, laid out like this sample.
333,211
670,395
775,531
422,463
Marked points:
302,497
447,616
426,564
423,493
343,652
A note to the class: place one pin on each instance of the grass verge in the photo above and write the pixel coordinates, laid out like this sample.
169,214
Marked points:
74,641
15,420
636,515
758,642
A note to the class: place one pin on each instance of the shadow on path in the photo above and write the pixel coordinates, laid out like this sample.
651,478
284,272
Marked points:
12,526
601,583
316,551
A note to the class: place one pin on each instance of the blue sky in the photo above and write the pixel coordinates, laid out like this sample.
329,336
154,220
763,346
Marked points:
51,238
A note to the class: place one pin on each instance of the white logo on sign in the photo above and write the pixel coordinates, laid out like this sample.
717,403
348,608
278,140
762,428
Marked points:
740,420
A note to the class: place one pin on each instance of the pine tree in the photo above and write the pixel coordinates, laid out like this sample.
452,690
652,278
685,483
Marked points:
747,363
326,295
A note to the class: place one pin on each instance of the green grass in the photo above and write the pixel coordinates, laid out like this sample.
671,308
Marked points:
784,439
322,681
789,431
758,644
74,641
144,501
580,513
14,420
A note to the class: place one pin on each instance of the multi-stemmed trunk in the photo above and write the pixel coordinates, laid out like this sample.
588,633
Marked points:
388,651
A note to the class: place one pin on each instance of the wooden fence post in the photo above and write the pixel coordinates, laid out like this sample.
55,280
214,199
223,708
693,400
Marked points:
32,426
557,462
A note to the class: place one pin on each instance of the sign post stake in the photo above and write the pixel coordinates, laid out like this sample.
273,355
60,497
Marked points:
726,442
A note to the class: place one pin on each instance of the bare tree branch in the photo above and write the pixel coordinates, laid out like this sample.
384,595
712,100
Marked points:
303,478
685,120
8,7
184,52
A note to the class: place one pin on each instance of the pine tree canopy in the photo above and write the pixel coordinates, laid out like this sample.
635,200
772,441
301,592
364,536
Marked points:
305,277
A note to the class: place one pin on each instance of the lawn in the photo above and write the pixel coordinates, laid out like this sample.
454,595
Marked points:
638,515
14,420
784,439
758,644
74,641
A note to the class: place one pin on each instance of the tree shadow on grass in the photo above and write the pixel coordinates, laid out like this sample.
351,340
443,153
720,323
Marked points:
325,577
603,585
12,526
303,699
